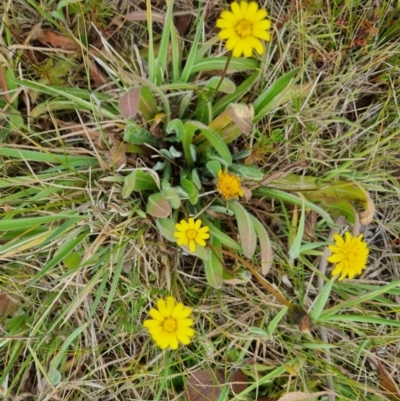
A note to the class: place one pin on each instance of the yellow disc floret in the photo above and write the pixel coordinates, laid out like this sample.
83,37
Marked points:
229,185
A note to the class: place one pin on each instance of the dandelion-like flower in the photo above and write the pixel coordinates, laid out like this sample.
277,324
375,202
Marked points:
171,323
243,27
349,254
229,185
191,233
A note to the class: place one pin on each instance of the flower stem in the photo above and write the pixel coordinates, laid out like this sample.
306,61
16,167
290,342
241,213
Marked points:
259,278
228,61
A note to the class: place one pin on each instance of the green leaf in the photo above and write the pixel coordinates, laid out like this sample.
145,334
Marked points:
165,50
73,260
321,300
190,61
213,267
294,200
247,172
166,227
227,86
172,195
139,180
295,249
213,138
218,234
191,190
266,97
138,136
219,63
239,92
196,179
247,233
176,126
265,245
158,206
275,321
147,103
214,167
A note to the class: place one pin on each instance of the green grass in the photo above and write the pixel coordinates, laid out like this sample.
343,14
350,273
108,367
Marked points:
84,262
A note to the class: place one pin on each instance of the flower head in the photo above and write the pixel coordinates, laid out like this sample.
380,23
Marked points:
190,233
171,323
244,26
229,185
349,254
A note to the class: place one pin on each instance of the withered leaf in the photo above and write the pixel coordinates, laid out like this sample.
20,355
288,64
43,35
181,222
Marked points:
182,23
129,103
53,39
387,383
204,385
8,304
239,381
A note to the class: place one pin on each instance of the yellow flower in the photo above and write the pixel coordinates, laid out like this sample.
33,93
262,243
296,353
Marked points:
349,254
229,185
190,233
244,26
171,323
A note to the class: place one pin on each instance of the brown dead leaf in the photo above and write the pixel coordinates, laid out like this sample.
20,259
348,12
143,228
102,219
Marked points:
142,16
117,152
129,103
368,214
238,381
155,128
300,396
204,385
8,304
242,115
386,382
99,79
53,39
182,23
3,85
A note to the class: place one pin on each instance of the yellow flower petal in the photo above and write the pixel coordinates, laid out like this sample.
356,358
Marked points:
192,245
186,331
183,241
262,35
247,50
162,308
155,331
260,15
244,5
184,322
155,314
236,10
200,241
149,323
182,338
256,44
170,305
251,12
232,42
173,341
226,33
197,224
262,25
224,23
